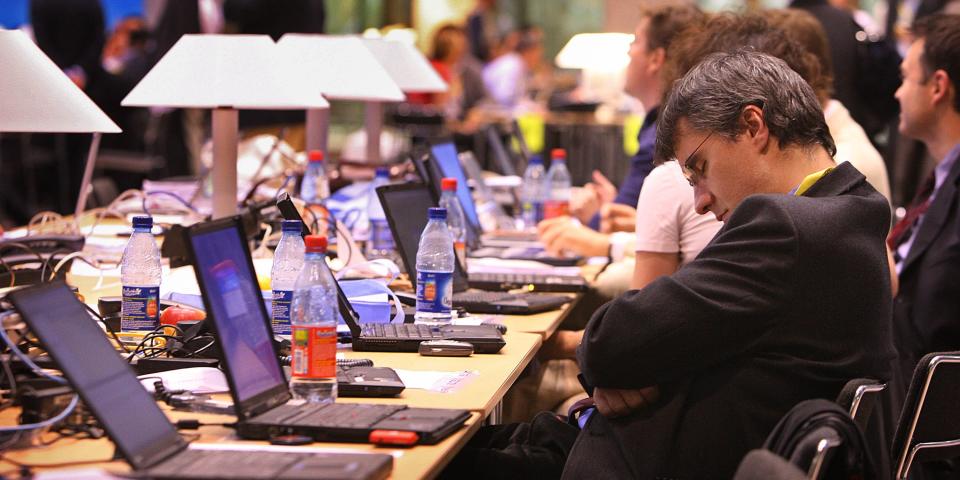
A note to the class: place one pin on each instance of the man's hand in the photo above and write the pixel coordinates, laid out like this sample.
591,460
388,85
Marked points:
614,402
561,345
616,217
587,201
563,234
606,191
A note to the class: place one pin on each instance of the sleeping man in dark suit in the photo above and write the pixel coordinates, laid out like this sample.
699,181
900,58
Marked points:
788,302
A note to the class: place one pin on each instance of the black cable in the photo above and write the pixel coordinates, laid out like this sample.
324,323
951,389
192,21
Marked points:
13,275
13,381
106,325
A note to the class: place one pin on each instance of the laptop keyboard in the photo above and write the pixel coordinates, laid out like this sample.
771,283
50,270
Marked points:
343,415
403,330
479,296
225,464
526,278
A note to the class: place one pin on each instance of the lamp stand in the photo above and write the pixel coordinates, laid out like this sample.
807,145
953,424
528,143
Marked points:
86,185
225,127
373,123
318,127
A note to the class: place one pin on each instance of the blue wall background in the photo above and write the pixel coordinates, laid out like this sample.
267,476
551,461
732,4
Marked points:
14,13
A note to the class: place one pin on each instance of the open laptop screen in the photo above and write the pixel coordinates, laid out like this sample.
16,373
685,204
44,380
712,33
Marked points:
104,381
235,305
405,207
446,156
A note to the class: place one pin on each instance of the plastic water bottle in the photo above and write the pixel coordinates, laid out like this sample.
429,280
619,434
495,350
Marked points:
558,179
456,221
380,244
315,190
140,273
435,263
532,193
313,318
315,187
287,262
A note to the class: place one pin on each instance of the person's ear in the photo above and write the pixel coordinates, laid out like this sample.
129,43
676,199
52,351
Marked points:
656,59
942,87
755,128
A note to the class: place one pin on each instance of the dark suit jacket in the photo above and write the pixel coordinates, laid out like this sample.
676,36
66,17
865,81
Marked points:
788,302
926,312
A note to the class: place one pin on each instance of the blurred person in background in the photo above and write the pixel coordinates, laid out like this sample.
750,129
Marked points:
509,78
449,57
486,26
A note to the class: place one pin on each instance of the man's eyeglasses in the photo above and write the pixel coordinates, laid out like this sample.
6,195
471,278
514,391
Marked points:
691,172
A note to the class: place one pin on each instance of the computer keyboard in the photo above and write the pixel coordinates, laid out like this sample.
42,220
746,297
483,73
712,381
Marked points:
525,278
346,415
403,330
226,464
477,296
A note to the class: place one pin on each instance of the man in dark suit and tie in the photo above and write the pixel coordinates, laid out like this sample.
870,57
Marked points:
926,243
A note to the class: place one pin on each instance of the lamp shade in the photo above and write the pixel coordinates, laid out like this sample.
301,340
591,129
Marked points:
36,96
226,71
341,66
406,65
596,51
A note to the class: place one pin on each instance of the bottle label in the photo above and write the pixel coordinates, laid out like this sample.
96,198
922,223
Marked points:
556,208
434,291
533,211
460,249
314,351
140,309
280,314
380,237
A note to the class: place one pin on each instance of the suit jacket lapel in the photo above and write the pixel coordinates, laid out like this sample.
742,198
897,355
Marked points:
934,217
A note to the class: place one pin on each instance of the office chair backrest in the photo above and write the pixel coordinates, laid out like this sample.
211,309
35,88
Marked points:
763,464
859,397
929,426
819,437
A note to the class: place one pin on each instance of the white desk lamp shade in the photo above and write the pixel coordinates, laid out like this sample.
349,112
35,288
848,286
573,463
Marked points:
342,67
596,51
226,73
36,96
406,65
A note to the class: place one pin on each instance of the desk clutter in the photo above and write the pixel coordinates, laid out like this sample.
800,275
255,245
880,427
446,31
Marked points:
245,325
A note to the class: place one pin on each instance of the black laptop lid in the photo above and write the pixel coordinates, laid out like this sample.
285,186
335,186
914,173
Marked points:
504,160
231,295
107,385
405,207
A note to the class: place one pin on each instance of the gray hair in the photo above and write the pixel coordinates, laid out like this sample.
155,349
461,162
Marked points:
712,95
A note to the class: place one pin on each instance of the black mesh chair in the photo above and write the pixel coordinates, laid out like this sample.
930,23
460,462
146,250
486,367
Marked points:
819,437
929,426
860,397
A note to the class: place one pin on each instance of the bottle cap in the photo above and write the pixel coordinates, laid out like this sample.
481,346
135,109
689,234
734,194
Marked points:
292,226
437,213
315,156
558,154
536,160
383,172
316,243
448,184
143,222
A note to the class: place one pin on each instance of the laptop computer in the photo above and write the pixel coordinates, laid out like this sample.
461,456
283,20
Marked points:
225,274
523,245
140,430
405,337
404,207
